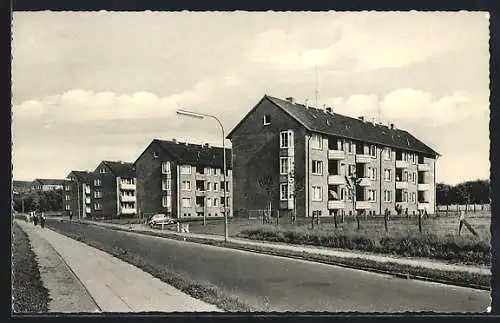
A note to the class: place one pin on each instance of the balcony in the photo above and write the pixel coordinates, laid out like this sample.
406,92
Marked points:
424,167
363,159
365,181
336,179
127,198
126,210
335,205
401,185
402,164
424,187
363,205
336,154
125,186
423,205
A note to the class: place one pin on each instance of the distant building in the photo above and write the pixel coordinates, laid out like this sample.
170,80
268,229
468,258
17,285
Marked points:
41,184
77,195
184,180
316,151
21,187
114,190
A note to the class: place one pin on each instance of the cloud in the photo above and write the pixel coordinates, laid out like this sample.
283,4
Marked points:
413,105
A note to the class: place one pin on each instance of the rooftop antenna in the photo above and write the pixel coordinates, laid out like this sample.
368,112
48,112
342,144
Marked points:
316,92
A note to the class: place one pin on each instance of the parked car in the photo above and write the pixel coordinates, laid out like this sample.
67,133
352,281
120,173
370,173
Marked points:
160,219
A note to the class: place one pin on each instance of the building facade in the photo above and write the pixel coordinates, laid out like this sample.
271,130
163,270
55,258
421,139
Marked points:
21,187
44,185
77,194
183,180
322,163
114,190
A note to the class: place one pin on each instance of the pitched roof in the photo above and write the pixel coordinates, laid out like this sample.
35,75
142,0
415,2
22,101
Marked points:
48,181
120,168
83,176
318,120
193,154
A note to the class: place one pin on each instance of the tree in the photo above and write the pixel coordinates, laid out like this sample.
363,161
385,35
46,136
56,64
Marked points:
352,185
269,185
298,186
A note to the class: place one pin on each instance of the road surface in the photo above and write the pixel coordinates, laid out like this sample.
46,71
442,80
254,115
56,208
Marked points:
270,283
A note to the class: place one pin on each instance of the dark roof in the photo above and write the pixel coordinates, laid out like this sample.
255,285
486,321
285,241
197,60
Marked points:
318,120
198,155
120,168
83,176
48,181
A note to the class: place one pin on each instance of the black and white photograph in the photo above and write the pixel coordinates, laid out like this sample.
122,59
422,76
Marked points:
279,161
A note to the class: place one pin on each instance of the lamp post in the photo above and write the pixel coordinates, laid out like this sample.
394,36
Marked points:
202,116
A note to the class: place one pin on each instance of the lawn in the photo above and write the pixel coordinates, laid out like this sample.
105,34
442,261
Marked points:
28,293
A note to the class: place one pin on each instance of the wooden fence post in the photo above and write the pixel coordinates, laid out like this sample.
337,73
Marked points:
385,222
335,218
420,222
357,218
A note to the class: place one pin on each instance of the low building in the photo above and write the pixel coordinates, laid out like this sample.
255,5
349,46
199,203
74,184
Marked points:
77,195
114,190
184,180
44,185
312,157
21,187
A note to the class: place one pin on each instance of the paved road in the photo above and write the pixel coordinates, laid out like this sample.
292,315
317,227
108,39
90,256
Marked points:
281,284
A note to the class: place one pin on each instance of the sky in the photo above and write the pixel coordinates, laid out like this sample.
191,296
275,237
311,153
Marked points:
93,86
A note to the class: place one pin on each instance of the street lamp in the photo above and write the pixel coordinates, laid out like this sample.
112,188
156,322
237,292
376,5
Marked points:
202,116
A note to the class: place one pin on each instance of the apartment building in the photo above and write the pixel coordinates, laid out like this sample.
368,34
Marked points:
44,185
313,157
77,195
21,187
114,190
183,180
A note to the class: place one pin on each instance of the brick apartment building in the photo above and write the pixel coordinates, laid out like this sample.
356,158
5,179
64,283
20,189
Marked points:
42,184
114,190
183,180
316,151
77,196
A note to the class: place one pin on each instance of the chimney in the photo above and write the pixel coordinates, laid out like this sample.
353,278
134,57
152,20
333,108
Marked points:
306,103
392,126
206,145
361,118
329,109
291,99
174,140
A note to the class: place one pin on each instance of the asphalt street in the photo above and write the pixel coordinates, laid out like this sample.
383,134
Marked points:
270,283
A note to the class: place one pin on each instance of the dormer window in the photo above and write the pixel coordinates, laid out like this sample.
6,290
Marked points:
267,120
102,170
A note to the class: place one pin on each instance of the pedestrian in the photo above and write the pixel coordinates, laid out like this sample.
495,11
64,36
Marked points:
70,215
35,219
42,220
462,219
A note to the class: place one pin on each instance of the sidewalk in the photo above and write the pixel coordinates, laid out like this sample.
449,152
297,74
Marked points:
414,262
117,286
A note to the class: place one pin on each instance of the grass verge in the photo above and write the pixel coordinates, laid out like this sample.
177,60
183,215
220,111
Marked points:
28,293
453,249
465,279
201,290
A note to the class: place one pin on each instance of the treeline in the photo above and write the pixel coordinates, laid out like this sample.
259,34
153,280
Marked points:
41,201
470,192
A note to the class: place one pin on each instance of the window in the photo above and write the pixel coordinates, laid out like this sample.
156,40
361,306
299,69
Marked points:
102,170
414,178
167,201
372,195
343,194
387,174
165,167
373,151
388,153
317,167
68,188
216,188
316,142
68,207
286,139
413,197
186,186
340,144
284,194
372,172
414,158
222,200
97,182
216,171
405,176
97,206
68,197
405,197
227,186
352,170
97,194
209,202
387,196
165,184
227,201
349,146
317,193
186,202
267,120
215,201
186,169
209,186
285,165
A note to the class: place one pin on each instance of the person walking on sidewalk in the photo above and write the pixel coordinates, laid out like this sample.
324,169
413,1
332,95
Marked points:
42,220
35,218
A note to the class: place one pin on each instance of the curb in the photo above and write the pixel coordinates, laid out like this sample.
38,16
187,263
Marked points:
306,256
